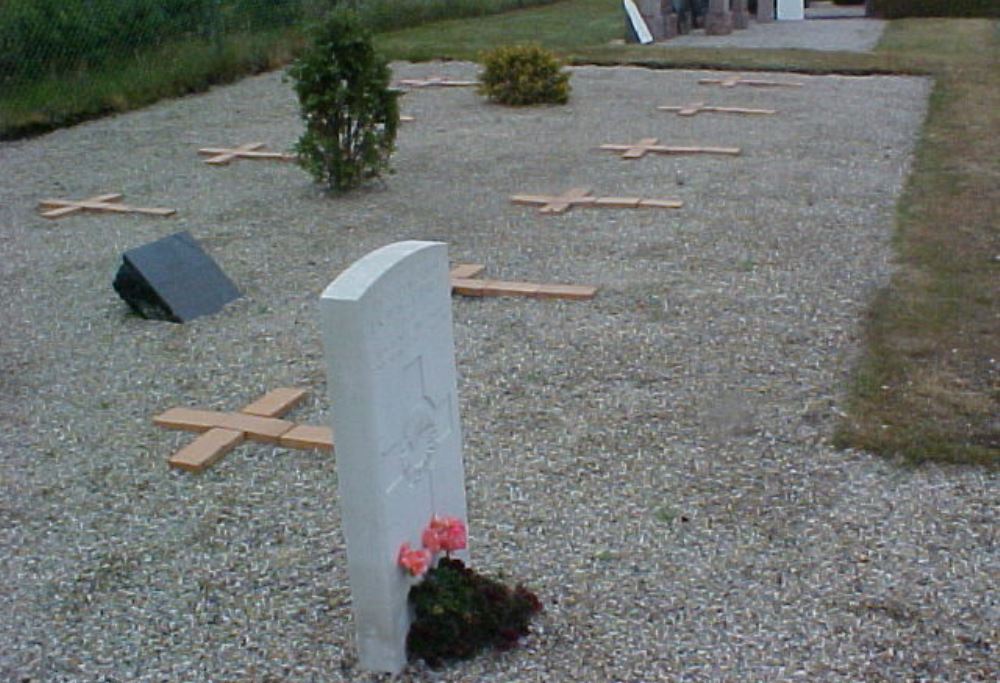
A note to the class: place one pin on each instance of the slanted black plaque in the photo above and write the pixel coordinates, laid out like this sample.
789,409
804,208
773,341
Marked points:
173,279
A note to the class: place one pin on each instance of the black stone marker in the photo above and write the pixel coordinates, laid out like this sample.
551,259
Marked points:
173,279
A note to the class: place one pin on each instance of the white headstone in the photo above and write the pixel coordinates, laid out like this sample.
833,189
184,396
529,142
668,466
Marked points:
791,10
387,333
637,23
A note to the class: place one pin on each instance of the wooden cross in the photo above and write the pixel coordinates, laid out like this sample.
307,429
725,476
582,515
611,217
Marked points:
698,107
637,150
579,196
222,156
259,421
436,81
57,208
464,282
733,81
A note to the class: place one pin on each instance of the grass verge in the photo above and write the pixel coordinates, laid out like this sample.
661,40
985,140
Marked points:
562,27
122,85
927,386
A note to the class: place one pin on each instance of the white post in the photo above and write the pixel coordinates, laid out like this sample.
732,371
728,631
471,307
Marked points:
791,10
635,26
387,333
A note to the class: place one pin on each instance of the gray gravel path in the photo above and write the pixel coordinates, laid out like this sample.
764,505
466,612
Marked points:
826,27
656,462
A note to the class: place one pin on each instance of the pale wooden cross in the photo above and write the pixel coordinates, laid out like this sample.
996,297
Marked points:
579,196
637,150
464,282
57,208
733,81
251,150
259,421
698,107
436,81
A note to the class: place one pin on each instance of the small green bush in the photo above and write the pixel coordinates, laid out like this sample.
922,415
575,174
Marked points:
523,74
458,612
351,114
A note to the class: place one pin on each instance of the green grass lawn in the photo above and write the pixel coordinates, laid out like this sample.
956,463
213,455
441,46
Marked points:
563,27
926,387
122,85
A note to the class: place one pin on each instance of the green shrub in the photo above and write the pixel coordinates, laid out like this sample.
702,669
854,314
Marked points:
351,114
898,9
458,612
523,74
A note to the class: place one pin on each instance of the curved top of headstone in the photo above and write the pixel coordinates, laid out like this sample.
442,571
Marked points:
357,280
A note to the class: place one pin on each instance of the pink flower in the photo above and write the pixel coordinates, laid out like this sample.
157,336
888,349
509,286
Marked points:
454,537
414,561
445,533
430,539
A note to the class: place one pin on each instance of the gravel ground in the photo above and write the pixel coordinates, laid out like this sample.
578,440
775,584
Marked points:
655,463
827,27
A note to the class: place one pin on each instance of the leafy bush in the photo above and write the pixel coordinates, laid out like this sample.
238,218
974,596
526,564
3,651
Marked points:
898,9
350,112
458,612
523,74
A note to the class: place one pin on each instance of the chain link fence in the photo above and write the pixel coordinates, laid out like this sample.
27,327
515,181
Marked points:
45,37
39,38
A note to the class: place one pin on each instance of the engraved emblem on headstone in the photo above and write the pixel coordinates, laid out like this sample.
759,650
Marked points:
428,424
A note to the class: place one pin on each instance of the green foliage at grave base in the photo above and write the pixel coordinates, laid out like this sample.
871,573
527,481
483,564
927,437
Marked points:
898,9
351,114
523,74
459,612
